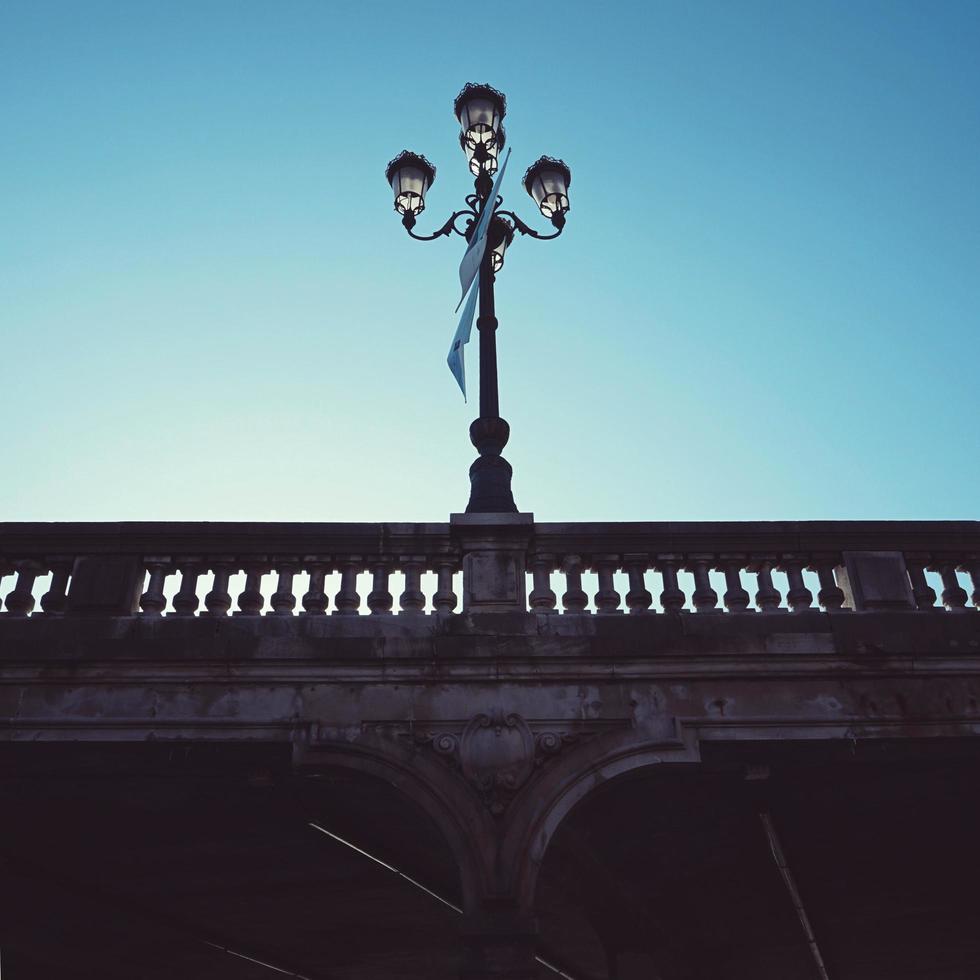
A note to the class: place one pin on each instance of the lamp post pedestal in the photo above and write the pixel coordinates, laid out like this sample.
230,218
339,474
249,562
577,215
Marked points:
490,473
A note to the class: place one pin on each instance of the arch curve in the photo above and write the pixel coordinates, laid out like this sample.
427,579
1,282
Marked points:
547,800
447,800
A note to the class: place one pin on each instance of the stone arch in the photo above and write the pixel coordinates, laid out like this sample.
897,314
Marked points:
466,827
547,800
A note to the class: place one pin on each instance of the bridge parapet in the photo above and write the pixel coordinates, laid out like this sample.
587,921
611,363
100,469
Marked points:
578,654
220,569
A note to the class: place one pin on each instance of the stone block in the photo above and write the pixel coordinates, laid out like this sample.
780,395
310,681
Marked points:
105,586
875,580
494,581
494,553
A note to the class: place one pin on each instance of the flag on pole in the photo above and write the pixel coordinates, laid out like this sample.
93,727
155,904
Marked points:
461,338
473,255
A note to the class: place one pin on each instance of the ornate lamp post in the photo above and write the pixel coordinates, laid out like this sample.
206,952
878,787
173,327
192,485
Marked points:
480,110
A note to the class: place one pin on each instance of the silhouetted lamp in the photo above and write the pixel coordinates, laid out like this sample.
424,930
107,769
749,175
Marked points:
480,110
547,182
410,176
504,230
482,157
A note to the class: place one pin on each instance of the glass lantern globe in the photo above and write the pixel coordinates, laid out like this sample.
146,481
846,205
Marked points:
410,176
480,110
482,157
505,230
547,182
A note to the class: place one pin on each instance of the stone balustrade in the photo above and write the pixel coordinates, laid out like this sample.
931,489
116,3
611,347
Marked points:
500,563
222,570
646,568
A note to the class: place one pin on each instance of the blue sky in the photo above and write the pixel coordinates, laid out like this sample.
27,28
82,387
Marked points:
764,305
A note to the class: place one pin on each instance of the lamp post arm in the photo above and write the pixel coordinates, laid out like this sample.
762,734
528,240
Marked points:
408,220
526,229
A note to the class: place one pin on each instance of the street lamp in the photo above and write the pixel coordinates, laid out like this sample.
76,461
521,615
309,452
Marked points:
547,182
410,176
483,156
480,110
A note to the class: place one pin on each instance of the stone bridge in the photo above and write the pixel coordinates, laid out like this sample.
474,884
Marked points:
581,750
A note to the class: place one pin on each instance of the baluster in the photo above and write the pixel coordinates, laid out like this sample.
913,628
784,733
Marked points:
379,600
798,597
736,599
347,601
971,564
54,601
153,601
5,569
186,601
607,599
444,599
218,601
283,601
924,593
954,595
20,601
574,599
250,599
412,600
542,598
704,597
830,596
315,600
767,598
638,598
672,599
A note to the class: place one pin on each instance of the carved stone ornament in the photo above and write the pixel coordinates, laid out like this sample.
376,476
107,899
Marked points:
496,754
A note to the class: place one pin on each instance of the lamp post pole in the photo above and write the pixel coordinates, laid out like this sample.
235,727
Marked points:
490,473
480,110
487,325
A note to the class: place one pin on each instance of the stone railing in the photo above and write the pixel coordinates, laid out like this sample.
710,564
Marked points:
502,563
224,569
859,565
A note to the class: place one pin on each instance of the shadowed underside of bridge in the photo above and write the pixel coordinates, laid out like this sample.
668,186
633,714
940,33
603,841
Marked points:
149,861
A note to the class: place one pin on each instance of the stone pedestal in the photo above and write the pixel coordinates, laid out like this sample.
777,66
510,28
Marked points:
105,585
875,580
494,553
490,473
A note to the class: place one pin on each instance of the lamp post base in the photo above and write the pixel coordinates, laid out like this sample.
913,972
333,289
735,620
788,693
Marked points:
490,474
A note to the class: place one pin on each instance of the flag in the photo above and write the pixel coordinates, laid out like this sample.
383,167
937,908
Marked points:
473,256
461,338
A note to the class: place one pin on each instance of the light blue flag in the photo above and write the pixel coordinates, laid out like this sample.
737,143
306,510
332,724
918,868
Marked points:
473,256
461,339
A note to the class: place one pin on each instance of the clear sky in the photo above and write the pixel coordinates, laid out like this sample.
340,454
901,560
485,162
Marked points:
764,305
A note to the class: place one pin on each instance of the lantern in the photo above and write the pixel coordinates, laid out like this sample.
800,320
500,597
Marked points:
480,110
547,182
410,176
482,157
502,229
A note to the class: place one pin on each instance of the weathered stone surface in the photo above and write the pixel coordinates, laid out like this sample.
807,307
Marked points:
876,580
105,586
499,722
494,548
